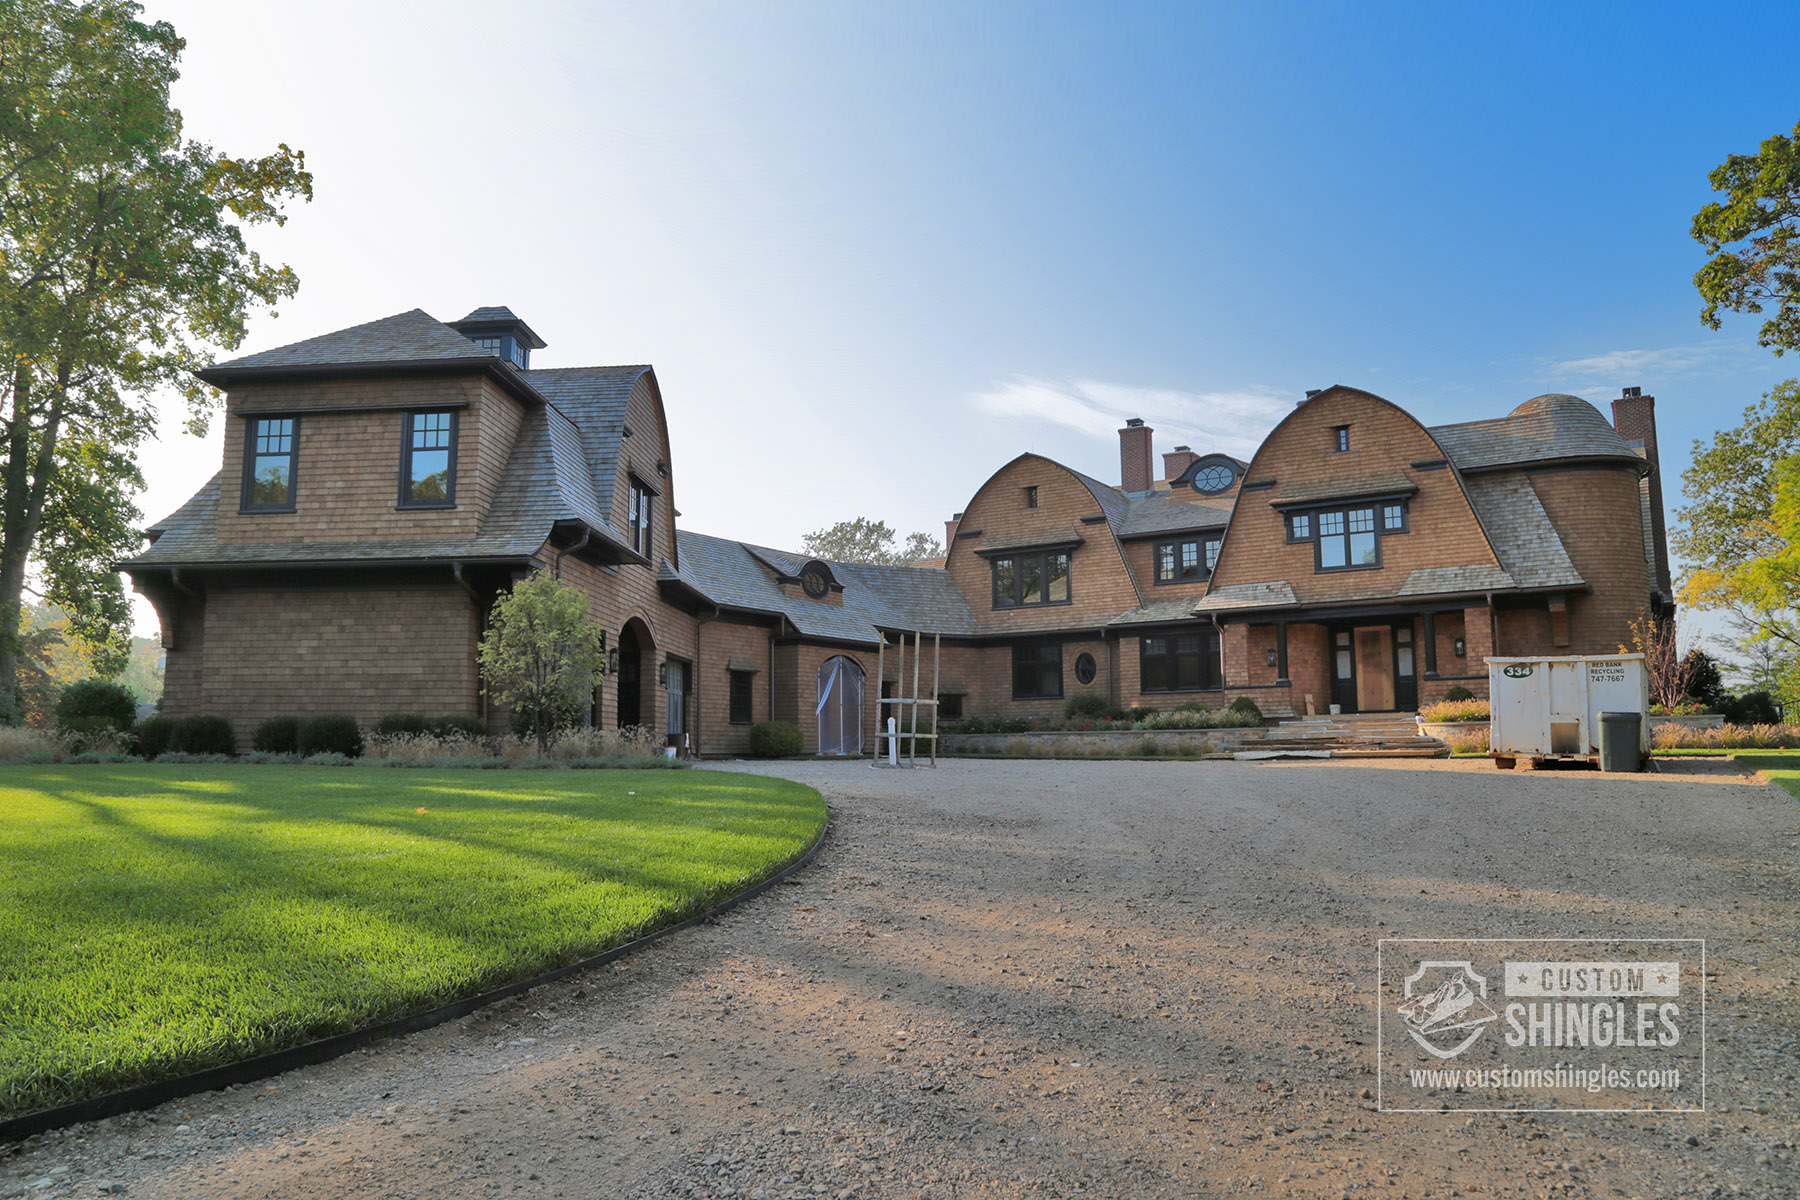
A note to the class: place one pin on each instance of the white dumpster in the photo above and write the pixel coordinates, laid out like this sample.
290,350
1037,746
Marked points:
1550,707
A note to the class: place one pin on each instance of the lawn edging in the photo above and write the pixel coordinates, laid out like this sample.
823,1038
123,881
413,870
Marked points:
278,1062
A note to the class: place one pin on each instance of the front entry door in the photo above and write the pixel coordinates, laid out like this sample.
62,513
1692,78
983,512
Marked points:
1375,669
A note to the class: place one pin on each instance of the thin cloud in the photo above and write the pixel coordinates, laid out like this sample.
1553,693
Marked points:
1615,363
1232,422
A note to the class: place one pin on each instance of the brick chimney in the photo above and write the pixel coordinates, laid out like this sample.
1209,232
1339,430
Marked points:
950,531
1178,461
1134,456
1634,416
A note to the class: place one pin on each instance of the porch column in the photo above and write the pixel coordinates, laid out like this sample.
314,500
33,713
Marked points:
1281,661
1431,671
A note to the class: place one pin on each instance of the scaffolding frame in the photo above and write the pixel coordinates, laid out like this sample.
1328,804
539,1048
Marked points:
904,704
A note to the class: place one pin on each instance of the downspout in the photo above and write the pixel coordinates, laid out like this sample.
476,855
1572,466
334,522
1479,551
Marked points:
696,692
1493,625
556,567
456,571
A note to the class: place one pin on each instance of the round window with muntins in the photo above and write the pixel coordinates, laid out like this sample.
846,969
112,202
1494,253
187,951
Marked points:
1215,478
813,582
1084,668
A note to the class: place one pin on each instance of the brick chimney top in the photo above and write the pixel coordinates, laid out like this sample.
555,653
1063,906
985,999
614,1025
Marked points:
1134,457
950,532
1178,461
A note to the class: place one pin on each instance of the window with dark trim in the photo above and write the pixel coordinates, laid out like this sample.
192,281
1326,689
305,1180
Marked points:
1186,560
428,461
637,520
1037,671
270,445
1348,538
1340,437
1031,496
1179,662
1025,580
743,685
950,706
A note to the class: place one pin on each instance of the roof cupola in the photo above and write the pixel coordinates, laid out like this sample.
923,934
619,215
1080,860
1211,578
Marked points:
495,329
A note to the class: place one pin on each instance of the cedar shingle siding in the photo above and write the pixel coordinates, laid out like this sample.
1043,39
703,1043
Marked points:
1535,532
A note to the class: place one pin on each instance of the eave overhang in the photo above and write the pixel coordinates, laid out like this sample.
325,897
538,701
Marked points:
498,369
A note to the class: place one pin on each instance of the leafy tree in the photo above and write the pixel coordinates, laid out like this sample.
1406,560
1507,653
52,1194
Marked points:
1705,684
542,653
864,541
122,265
1740,528
1753,236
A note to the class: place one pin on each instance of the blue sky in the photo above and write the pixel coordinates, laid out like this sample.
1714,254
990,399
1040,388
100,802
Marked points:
876,252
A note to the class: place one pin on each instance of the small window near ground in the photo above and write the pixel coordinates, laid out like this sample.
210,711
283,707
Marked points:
428,462
950,706
1085,668
743,684
269,464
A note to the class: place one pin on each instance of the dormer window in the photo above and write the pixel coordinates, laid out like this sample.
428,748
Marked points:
505,347
497,331
637,520
428,461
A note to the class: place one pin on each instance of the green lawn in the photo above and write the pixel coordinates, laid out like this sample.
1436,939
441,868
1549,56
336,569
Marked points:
1780,767
160,919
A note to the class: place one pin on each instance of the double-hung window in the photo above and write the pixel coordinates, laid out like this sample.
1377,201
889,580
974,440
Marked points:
1186,560
638,518
743,686
270,445
1179,662
428,461
1022,580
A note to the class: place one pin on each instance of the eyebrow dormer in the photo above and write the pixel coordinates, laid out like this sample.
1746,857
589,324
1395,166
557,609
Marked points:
496,330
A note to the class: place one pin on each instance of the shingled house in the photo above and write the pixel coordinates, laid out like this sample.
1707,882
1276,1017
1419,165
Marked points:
383,484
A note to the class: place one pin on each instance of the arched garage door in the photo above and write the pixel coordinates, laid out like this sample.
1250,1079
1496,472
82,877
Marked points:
840,706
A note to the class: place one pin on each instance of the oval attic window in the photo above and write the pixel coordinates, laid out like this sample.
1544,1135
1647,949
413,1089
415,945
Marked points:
1215,478
814,583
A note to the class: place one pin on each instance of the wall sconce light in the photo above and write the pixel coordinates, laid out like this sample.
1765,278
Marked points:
1462,649
1271,655
612,661
662,672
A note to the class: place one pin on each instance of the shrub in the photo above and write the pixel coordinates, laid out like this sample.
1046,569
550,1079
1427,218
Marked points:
1751,708
1726,737
1457,710
1086,704
203,733
278,735
1246,706
459,723
94,704
775,739
328,758
1467,741
403,723
334,733
1459,692
154,736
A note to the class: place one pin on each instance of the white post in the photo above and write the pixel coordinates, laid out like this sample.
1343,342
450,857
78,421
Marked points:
893,742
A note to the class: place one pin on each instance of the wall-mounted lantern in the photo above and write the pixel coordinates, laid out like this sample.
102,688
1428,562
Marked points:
662,673
612,661
1462,649
1271,654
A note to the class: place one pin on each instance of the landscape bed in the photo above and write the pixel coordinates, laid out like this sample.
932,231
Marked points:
163,919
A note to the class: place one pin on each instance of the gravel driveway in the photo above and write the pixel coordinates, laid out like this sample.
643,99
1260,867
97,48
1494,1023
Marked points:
1058,979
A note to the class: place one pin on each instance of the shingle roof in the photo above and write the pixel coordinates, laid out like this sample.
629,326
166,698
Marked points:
1520,530
1444,581
1248,595
1055,535
1162,513
413,336
1542,429
1301,491
593,401
490,312
743,576
1173,608
1112,501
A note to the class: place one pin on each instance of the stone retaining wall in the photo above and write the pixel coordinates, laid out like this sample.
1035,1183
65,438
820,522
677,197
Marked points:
1104,743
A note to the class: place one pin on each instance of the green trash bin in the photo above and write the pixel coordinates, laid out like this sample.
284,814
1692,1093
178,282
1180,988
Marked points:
1621,741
